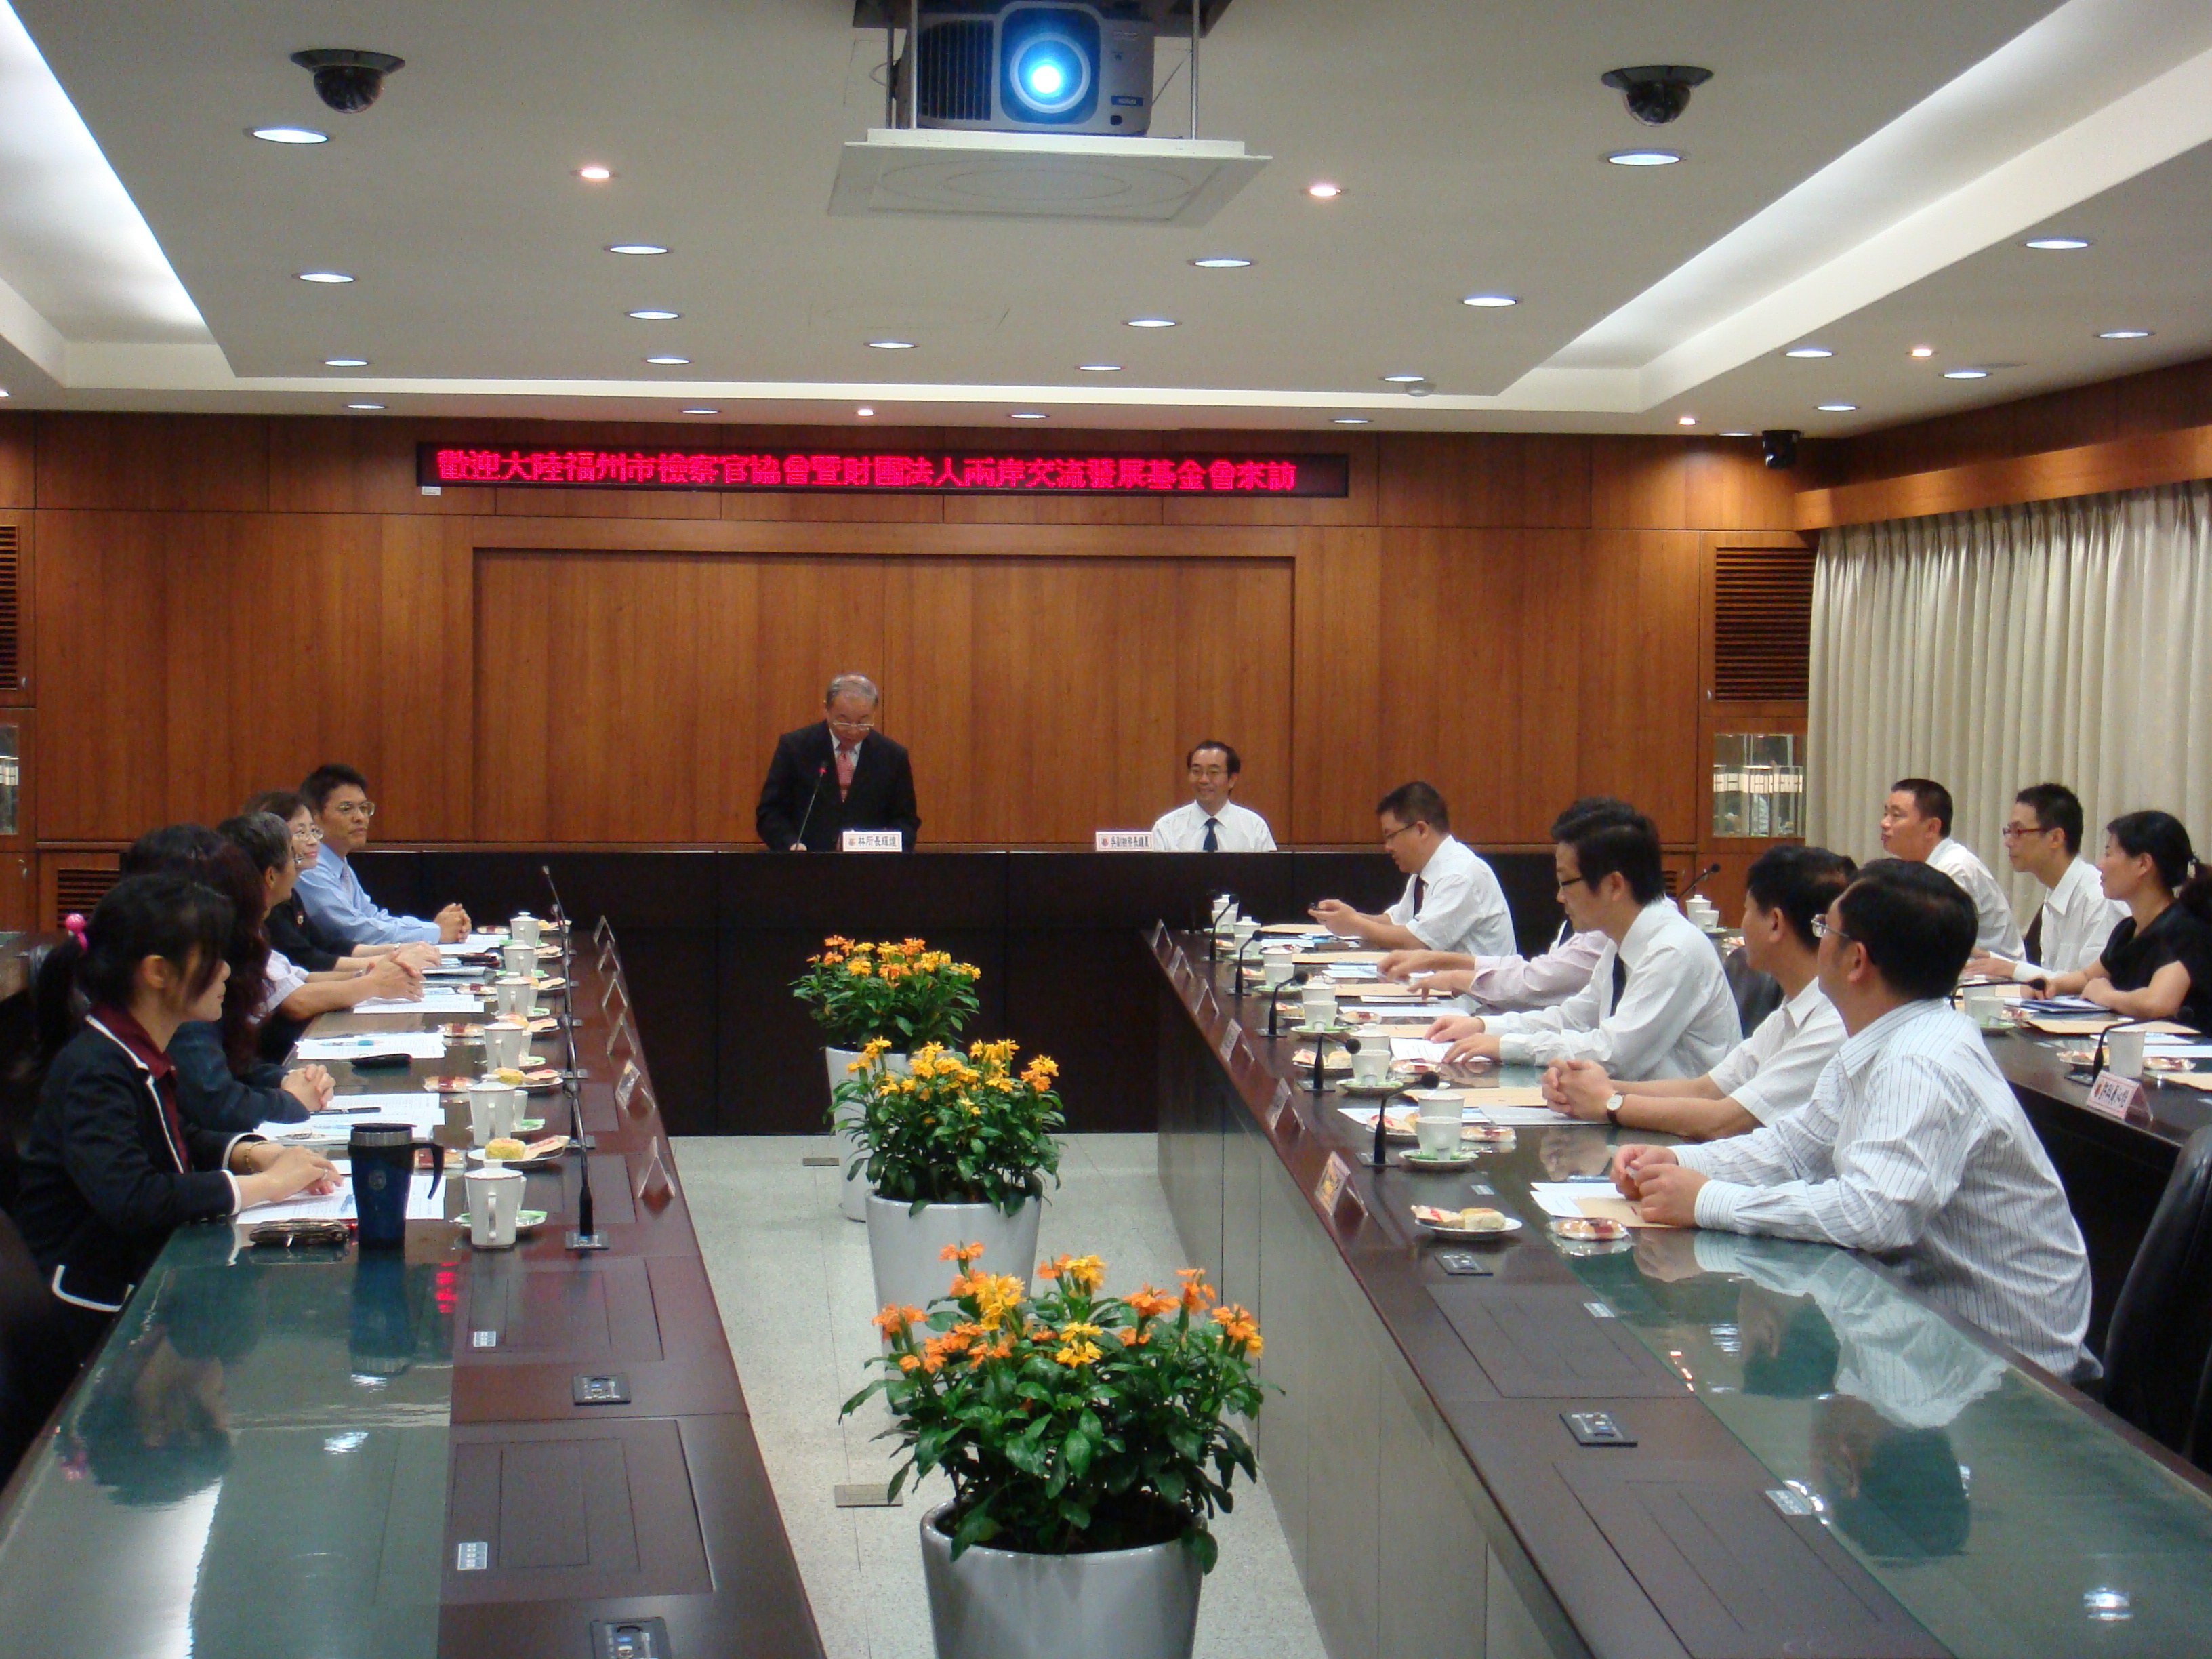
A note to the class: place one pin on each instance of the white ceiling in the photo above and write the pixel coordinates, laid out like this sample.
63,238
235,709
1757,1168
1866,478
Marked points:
1859,173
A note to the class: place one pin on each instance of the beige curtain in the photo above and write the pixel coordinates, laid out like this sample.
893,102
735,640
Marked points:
2068,640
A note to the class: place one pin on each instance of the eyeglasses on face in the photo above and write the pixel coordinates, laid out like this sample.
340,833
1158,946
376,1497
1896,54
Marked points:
307,834
1823,928
2014,831
355,808
1209,771
1566,881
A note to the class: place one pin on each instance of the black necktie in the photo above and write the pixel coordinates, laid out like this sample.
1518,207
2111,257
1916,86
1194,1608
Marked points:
1420,892
1212,842
1620,980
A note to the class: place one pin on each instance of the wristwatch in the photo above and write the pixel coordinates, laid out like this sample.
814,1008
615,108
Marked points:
1612,1111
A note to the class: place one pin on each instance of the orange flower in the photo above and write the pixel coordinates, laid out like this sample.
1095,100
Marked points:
909,1363
859,970
963,1253
1238,1326
1085,1272
894,1319
996,1296
1149,1303
1131,1337
1195,1291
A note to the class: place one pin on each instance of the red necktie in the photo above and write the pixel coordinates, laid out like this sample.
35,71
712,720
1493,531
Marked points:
846,761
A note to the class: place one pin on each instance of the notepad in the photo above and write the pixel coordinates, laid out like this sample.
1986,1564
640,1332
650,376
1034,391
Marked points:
423,1112
1576,1198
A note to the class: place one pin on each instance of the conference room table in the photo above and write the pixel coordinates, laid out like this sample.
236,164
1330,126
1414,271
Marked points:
382,1454
1822,1460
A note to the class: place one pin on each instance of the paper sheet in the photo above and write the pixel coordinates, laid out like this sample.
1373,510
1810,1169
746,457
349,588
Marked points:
1413,1048
414,1045
474,946
424,1111
422,1205
434,999
1587,1198
2058,1027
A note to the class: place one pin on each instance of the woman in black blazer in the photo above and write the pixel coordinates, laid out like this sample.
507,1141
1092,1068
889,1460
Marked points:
113,1165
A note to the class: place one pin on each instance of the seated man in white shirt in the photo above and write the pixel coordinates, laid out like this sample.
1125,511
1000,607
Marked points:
1503,983
2043,837
1452,900
1772,1071
1657,1005
1212,823
1915,826
1913,1147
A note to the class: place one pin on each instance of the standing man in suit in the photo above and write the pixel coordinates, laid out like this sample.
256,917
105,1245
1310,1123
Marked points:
839,774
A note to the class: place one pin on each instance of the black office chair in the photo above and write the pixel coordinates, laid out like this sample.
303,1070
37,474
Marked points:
34,1371
1757,994
2161,1334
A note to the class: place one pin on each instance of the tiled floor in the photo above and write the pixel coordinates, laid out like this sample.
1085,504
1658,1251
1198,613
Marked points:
792,1276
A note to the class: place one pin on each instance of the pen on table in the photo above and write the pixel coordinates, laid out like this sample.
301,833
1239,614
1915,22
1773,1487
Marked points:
349,1111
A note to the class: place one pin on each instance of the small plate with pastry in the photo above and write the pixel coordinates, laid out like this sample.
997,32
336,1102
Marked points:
1472,1225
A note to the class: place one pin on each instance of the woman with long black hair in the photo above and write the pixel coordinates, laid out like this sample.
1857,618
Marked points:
113,1165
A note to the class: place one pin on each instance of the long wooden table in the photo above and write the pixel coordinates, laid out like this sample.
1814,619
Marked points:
1825,1462
384,1455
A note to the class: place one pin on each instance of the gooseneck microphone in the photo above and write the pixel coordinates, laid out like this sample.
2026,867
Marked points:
820,773
1701,878
1381,1159
588,1235
1275,995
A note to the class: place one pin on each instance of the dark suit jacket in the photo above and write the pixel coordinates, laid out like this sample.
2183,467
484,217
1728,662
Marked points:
882,796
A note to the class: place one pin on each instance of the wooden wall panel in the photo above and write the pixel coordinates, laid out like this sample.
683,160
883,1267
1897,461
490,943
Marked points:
703,660
220,603
1050,698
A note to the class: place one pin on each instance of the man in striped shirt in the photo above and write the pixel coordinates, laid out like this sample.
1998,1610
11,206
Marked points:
1912,1148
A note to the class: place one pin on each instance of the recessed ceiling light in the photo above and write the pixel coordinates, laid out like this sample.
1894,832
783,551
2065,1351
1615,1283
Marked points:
1808,351
1221,262
291,135
2125,334
892,345
1924,351
1405,379
1349,420
1837,409
1966,374
636,247
1324,192
4,390
345,362
1152,322
364,405
1644,158
595,174
1685,420
1099,368
1029,415
325,277
1490,301
864,412
669,362
702,411
1735,435
2056,244
656,316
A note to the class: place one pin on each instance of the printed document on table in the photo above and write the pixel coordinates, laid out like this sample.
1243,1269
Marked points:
420,1110
423,1204
412,1045
434,999
1409,1047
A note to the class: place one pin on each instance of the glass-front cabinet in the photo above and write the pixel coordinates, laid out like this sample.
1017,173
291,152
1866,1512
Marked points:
1759,784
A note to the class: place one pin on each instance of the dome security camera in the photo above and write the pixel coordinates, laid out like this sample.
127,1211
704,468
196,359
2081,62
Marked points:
1656,93
1778,447
346,80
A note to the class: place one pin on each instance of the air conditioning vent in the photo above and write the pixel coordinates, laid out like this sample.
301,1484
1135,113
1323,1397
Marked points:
1762,625
11,567
81,890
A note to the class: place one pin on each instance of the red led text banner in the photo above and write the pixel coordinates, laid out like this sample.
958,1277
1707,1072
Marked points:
933,471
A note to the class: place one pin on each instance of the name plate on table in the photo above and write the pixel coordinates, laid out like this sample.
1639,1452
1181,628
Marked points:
1278,1106
1334,1190
1122,840
626,1085
1232,1034
870,841
2119,1096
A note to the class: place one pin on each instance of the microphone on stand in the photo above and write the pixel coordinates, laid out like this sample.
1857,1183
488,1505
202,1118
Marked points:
2097,1061
1380,1158
587,1236
1699,880
1275,1001
820,773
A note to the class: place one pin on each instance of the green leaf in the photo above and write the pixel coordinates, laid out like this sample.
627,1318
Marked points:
1201,1543
1076,1451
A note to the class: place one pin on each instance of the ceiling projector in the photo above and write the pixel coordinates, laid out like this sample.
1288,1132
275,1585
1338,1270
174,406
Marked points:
1029,66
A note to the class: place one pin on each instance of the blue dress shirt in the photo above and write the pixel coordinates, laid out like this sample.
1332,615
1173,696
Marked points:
337,902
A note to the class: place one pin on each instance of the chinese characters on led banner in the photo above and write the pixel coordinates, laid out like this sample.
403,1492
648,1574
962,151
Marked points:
952,473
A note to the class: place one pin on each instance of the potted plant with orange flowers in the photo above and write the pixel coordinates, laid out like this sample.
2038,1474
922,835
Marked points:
956,1148
904,994
1090,1442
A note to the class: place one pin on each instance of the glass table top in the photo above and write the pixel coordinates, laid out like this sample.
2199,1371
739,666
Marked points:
1998,1512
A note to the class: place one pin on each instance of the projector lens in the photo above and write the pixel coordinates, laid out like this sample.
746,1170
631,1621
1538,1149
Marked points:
1049,66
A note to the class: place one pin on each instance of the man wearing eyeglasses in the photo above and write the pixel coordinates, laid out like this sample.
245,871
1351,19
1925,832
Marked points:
1452,900
338,797
2043,837
839,773
1211,822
